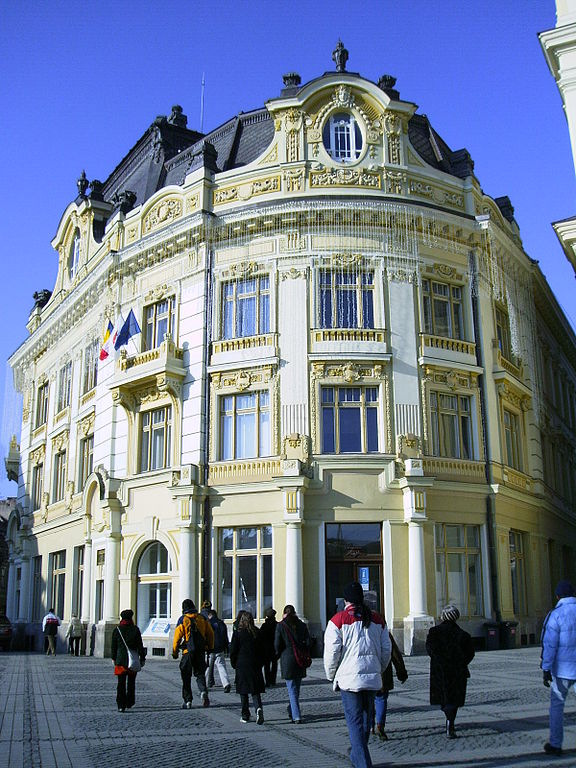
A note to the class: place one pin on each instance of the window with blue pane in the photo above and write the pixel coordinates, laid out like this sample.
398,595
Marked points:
349,419
246,307
245,425
346,299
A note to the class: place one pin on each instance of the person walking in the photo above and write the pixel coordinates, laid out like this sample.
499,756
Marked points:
381,699
291,632
217,657
50,624
126,636
246,657
268,634
357,650
74,635
194,637
559,660
451,650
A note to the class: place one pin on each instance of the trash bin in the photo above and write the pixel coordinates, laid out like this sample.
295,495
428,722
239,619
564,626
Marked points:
508,634
492,630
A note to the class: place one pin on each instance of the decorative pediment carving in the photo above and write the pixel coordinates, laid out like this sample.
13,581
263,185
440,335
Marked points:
161,214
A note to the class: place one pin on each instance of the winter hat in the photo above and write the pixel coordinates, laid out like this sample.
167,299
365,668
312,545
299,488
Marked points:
269,613
206,604
353,593
564,589
126,615
450,613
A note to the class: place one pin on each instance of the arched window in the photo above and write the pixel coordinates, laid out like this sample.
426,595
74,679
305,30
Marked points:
74,257
154,584
343,138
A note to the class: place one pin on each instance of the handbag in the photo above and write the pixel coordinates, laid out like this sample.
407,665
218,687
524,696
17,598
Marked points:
300,649
133,657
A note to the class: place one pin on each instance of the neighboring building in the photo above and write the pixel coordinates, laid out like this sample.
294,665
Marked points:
6,508
337,377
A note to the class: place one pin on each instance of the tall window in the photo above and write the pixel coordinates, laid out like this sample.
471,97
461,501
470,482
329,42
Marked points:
74,256
503,334
459,568
37,587
342,137
245,425
57,581
59,484
78,585
349,419
42,404
86,459
346,299
442,305
518,573
246,307
451,426
90,373
64,386
245,571
154,584
37,488
513,439
155,439
159,320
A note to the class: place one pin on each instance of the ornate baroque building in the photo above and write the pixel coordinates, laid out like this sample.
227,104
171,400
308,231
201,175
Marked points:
348,367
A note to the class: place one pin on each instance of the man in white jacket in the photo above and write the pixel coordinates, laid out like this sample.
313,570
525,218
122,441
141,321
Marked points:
357,650
559,660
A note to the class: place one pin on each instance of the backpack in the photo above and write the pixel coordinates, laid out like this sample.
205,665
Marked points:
300,649
195,645
220,635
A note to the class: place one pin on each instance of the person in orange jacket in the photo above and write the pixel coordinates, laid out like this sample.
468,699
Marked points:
193,630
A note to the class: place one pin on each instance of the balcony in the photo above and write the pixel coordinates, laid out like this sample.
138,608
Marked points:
244,349
460,470
448,350
167,360
244,471
348,341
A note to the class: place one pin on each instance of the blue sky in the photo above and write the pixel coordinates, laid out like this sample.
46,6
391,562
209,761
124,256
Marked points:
81,82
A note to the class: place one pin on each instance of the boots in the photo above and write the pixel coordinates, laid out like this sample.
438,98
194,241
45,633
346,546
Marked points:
450,730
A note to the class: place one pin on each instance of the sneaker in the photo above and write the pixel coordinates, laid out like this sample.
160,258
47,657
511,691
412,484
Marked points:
259,716
227,689
205,699
297,722
245,719
550,750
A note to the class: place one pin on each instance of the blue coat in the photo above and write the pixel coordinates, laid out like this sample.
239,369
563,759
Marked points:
559,639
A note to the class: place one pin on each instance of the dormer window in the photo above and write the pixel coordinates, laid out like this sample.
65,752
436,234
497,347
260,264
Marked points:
343,138
74,257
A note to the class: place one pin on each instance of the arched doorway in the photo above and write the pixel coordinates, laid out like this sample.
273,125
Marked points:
154,584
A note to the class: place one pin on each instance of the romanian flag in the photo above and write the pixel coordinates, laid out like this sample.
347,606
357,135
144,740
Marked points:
106,343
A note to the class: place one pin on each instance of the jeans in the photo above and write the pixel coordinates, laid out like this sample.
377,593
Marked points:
217,660
293,687
559,688
358,710
381,708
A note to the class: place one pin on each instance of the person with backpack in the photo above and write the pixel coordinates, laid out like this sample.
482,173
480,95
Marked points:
50,624
194,637
292,645
357,650
246,657
217,657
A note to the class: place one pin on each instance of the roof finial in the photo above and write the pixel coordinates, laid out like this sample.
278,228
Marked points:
82,184
340,57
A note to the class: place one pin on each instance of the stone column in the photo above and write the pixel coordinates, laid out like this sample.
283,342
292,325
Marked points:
10,590
24,607
111,573
87,583
293,485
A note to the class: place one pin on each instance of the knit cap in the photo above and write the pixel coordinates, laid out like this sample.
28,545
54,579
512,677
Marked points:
450,613
564,589
353,593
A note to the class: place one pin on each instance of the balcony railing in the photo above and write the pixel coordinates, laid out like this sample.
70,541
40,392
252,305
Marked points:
247,471
457,469
447,344
244,342
348,334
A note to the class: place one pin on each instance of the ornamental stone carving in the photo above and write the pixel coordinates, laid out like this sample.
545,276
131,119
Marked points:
163,213
60,442
345,177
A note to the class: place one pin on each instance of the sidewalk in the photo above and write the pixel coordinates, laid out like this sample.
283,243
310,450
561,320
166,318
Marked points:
61,713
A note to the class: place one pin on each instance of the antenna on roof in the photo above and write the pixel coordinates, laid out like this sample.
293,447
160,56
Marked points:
202,104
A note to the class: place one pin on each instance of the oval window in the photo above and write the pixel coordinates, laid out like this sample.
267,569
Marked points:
342,137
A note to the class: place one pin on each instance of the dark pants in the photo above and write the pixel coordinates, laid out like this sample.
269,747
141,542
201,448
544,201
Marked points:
450,710
270,671
126,691
186,672
74,646
245,701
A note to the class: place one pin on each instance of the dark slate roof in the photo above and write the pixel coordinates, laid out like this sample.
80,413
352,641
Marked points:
434,150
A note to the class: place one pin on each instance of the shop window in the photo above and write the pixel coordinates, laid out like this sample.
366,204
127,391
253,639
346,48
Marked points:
349,419
159,321
346,299
245,425
245,571
155,439
442,309
459,568
451,425
246,307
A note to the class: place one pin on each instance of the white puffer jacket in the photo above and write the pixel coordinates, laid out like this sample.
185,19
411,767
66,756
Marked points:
354,656
559,639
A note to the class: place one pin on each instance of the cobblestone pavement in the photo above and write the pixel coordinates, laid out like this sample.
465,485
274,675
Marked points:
60,713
